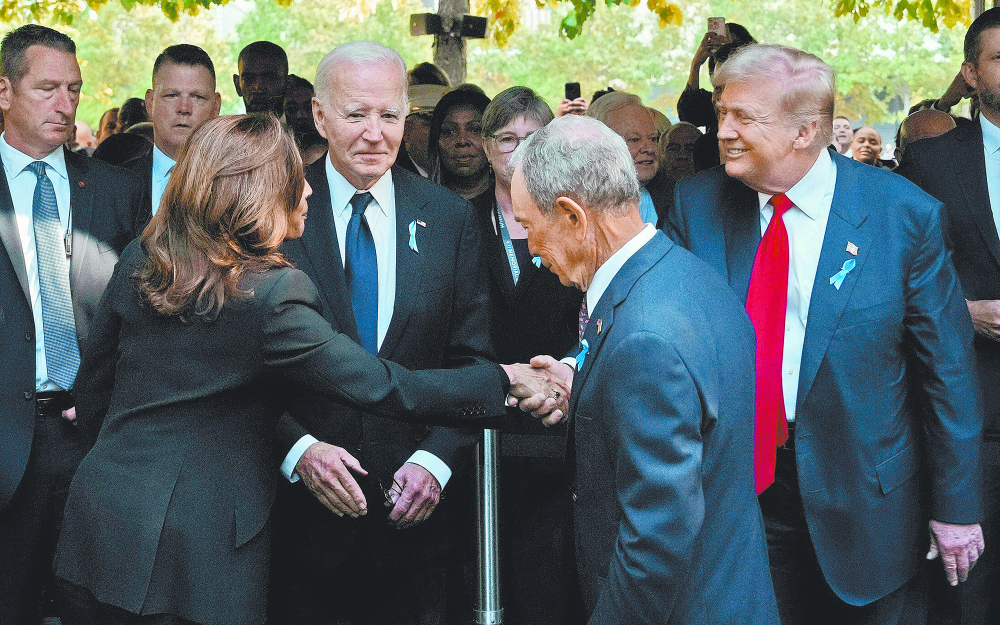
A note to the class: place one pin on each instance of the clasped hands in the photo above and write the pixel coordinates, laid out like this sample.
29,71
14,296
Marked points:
541,388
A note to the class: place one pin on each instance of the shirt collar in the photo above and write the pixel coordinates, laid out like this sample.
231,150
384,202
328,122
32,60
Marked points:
607,272
807,194
162,164
341,191
991,135
15,161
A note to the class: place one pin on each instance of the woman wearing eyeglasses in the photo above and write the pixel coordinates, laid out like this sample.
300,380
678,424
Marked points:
532,314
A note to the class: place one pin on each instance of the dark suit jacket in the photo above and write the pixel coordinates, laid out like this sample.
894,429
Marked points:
104,201
440,318
898,325
167,513
667,523
537,316
143,168
952,168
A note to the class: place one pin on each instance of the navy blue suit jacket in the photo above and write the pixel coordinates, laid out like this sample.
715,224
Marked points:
895,333
668,527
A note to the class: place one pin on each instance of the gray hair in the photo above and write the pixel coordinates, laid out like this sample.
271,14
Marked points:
358,53
602,106
807,85
582,159
512,103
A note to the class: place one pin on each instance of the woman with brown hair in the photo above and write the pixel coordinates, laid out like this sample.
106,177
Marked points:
204,333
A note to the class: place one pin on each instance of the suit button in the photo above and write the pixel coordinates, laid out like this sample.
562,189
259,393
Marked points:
28,337
574,497
28,395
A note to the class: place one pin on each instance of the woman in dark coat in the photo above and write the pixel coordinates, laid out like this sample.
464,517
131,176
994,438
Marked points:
204,333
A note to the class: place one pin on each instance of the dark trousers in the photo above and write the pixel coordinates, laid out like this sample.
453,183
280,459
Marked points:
79,607
975,601
30,524
327,570
804,597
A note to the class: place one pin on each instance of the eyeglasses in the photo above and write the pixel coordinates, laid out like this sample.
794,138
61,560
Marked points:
396,488
508,142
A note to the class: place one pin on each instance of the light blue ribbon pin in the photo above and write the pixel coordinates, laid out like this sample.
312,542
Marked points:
582,356
838,278
536,261
413,236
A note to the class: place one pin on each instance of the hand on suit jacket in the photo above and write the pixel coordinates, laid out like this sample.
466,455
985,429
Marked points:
959,547
415,493
538,390
986,317
326,471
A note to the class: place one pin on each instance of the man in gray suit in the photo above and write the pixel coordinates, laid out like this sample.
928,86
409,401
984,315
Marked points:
667,526
63,221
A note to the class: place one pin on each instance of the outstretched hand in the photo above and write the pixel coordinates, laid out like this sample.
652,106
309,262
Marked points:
326,471
541,388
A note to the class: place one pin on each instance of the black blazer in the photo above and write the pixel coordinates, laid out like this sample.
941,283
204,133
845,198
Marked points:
952,168
143,168
537,316
105,201
440,318
167,513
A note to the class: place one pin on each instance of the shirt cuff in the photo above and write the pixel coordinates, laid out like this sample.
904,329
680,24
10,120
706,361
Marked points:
434,465
293,456
569,360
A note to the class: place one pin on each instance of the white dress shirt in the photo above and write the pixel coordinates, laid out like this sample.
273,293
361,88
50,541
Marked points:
163,165
22,190
607,271
381,216
805,223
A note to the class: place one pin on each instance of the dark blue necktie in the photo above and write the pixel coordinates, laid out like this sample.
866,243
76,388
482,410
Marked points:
62,352
361,271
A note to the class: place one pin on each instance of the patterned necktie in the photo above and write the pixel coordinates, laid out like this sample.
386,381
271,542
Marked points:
584,317
767,302
361,271
62,352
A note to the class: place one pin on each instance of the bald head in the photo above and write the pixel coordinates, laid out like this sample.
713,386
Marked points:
924,125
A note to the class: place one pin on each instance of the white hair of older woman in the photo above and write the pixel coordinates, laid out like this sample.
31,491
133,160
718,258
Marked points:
602,106
358,53
582,159
805,83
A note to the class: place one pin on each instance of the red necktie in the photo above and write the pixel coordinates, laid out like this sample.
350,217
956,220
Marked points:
767,300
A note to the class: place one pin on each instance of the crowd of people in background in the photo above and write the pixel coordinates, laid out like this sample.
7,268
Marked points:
422,254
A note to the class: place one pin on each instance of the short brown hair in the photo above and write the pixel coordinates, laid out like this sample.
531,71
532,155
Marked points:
224,214
14,48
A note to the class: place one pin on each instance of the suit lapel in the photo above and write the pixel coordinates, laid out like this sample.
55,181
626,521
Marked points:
323,249
826,304
742,234
9,237
411,267
81,201
972,180
603,317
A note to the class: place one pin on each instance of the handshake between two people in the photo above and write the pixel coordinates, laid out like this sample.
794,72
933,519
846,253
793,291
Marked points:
541,388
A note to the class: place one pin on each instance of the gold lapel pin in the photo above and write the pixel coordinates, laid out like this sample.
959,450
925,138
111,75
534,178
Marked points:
852,249
599,322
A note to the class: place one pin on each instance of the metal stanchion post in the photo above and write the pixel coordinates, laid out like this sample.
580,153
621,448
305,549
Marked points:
488,610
